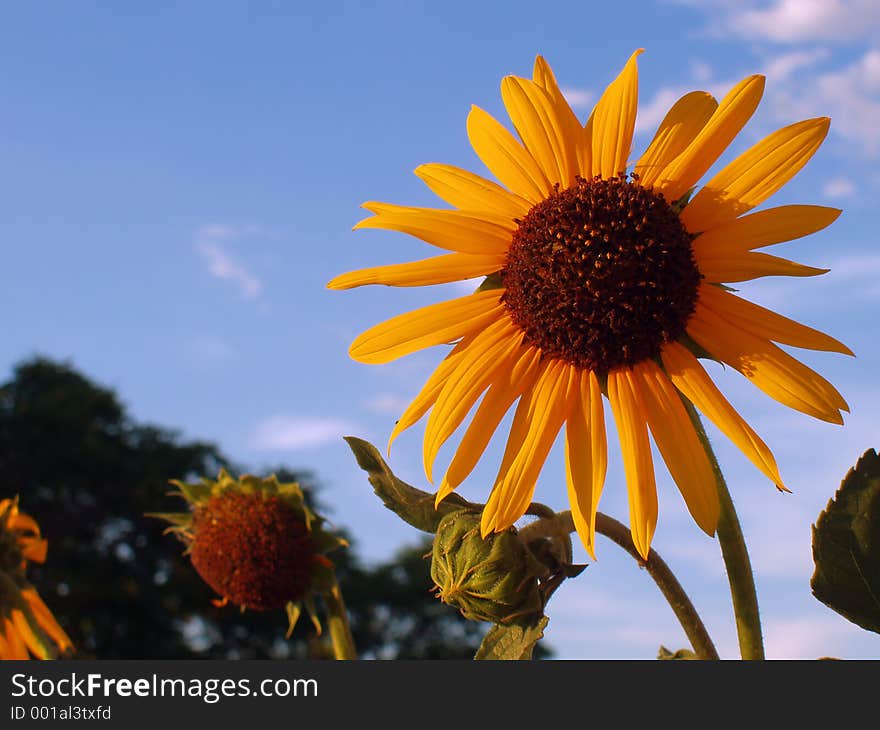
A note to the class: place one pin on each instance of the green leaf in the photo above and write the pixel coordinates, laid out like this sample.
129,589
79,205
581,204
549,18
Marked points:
681,654
846,546
412,505
513,642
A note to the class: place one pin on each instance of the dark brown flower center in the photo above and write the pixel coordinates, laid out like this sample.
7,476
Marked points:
601,274
253,550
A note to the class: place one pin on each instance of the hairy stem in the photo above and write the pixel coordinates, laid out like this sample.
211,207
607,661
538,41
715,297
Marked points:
658,570
735,555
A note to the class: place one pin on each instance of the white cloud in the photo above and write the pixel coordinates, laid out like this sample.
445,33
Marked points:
701,71
579,98
222,264
839,187
782,66
651,113
386,403
803,638
294,433
849,94
791,21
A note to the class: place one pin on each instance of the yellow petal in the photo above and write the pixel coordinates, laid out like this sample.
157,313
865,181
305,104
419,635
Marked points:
506,158
748,265
678,443
15,646
581,141
765,228
586,457
33,548
468,191
614,120
428,326
32,638
453,230
764,323
678,129
436,270
729,118
544,132
515,438
46,620
491,349
513,381
775,372
429,392
755,175
637,462
695,384
23,523
547,406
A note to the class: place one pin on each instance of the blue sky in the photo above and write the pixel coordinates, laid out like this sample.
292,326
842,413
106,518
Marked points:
179,181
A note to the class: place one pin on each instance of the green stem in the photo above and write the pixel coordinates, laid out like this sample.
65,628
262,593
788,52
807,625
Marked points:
338,626
666,581
735,555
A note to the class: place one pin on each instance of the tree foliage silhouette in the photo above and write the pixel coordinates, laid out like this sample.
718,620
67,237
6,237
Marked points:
88,473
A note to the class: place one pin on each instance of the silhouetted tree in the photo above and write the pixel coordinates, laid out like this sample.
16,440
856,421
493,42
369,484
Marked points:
88,473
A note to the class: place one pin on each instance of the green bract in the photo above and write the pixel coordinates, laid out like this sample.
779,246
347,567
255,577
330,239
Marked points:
493,579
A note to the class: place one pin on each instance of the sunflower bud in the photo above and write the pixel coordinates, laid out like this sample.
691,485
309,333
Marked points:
255,542
493,579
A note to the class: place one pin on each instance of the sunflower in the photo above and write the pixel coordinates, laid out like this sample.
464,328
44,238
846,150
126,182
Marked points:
255,542
603,285
27,626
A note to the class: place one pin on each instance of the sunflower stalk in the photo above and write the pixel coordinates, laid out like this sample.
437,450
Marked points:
338,625
672,590
735,555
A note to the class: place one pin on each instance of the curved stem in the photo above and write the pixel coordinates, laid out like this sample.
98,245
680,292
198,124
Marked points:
666,581
337,623
736,557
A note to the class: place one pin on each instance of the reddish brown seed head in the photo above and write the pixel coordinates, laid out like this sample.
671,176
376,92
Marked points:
252,550
601,274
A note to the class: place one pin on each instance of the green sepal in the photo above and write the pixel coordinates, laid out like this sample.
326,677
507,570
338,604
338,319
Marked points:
412,505
293,610
493,579
177,519
679,205
324,542
682,654
846,546
573,570
195,492
312,610
493,281
512,642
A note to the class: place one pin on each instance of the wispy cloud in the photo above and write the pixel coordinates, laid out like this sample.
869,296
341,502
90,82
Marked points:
782,66
212,245
295,433
579,98
839,187
791,21
804,638
651,113
386,403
